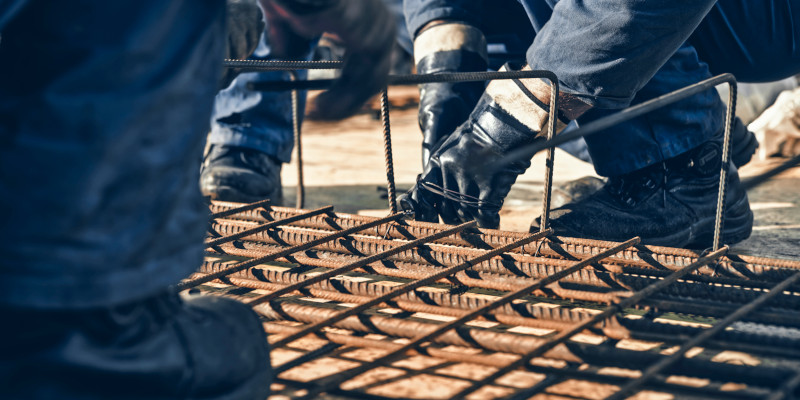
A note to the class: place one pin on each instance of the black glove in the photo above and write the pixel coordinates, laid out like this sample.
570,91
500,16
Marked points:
461,181
444,106
245,24
367,30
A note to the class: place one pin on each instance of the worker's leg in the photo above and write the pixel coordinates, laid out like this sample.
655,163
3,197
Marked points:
656,162
251,135
102,118
756,40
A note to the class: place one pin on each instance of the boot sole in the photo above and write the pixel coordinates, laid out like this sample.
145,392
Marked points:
229,193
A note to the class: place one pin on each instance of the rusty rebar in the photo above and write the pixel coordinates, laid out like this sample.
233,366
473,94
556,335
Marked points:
409,287
391,192
346,375
240,209
702,337
281,253
261,228
743,266
609,311
360,263
298,145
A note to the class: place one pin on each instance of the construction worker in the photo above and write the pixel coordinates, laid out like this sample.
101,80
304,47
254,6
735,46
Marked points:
252,132
104,106
662,168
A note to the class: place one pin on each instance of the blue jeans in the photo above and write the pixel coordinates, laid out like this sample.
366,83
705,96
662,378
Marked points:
103,114
257,120
614,53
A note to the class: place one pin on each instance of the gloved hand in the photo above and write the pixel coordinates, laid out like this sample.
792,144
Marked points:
367,30
465,178
441,48
245,24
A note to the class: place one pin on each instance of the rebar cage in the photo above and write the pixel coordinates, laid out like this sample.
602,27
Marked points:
364,307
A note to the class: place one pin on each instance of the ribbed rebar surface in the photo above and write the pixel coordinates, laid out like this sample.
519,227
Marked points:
404,309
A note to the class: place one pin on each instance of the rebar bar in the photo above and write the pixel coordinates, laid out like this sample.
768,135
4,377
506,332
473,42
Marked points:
269,257
387,151
623,303
261,228
346,375
409,287
360,263
702,337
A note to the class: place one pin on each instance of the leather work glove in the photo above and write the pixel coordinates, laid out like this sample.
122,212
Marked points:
465,178
367,30
441,48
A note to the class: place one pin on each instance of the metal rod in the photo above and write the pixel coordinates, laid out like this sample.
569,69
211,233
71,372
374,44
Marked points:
281,253
551,155
564,335
267,226
298,145
360,263
719,219
622,116
508,298
407,288
231,211
387,151
702,337
275,65
408,79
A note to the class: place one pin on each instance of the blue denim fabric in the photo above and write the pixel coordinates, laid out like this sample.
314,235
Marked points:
614,53
257,120
103,114
263,120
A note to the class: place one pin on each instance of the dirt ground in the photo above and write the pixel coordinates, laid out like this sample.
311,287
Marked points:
344,167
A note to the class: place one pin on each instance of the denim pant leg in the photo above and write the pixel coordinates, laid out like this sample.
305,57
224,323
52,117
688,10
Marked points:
663,133
257,120
102,116
756,40
614,53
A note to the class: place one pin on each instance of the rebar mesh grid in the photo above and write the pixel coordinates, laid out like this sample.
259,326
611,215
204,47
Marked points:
363,307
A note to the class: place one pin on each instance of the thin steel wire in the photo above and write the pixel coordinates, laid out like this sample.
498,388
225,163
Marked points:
285,252
407,288
506,299
360,263
706,334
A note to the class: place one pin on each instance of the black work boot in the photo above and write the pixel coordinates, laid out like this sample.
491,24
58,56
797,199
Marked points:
240,174
743,143
672,203
158,348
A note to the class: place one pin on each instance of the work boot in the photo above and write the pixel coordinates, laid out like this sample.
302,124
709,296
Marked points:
672,203
240,174
743,143
159,348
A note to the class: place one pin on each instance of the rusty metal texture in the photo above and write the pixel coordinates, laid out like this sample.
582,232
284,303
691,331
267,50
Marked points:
436,286
734,265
